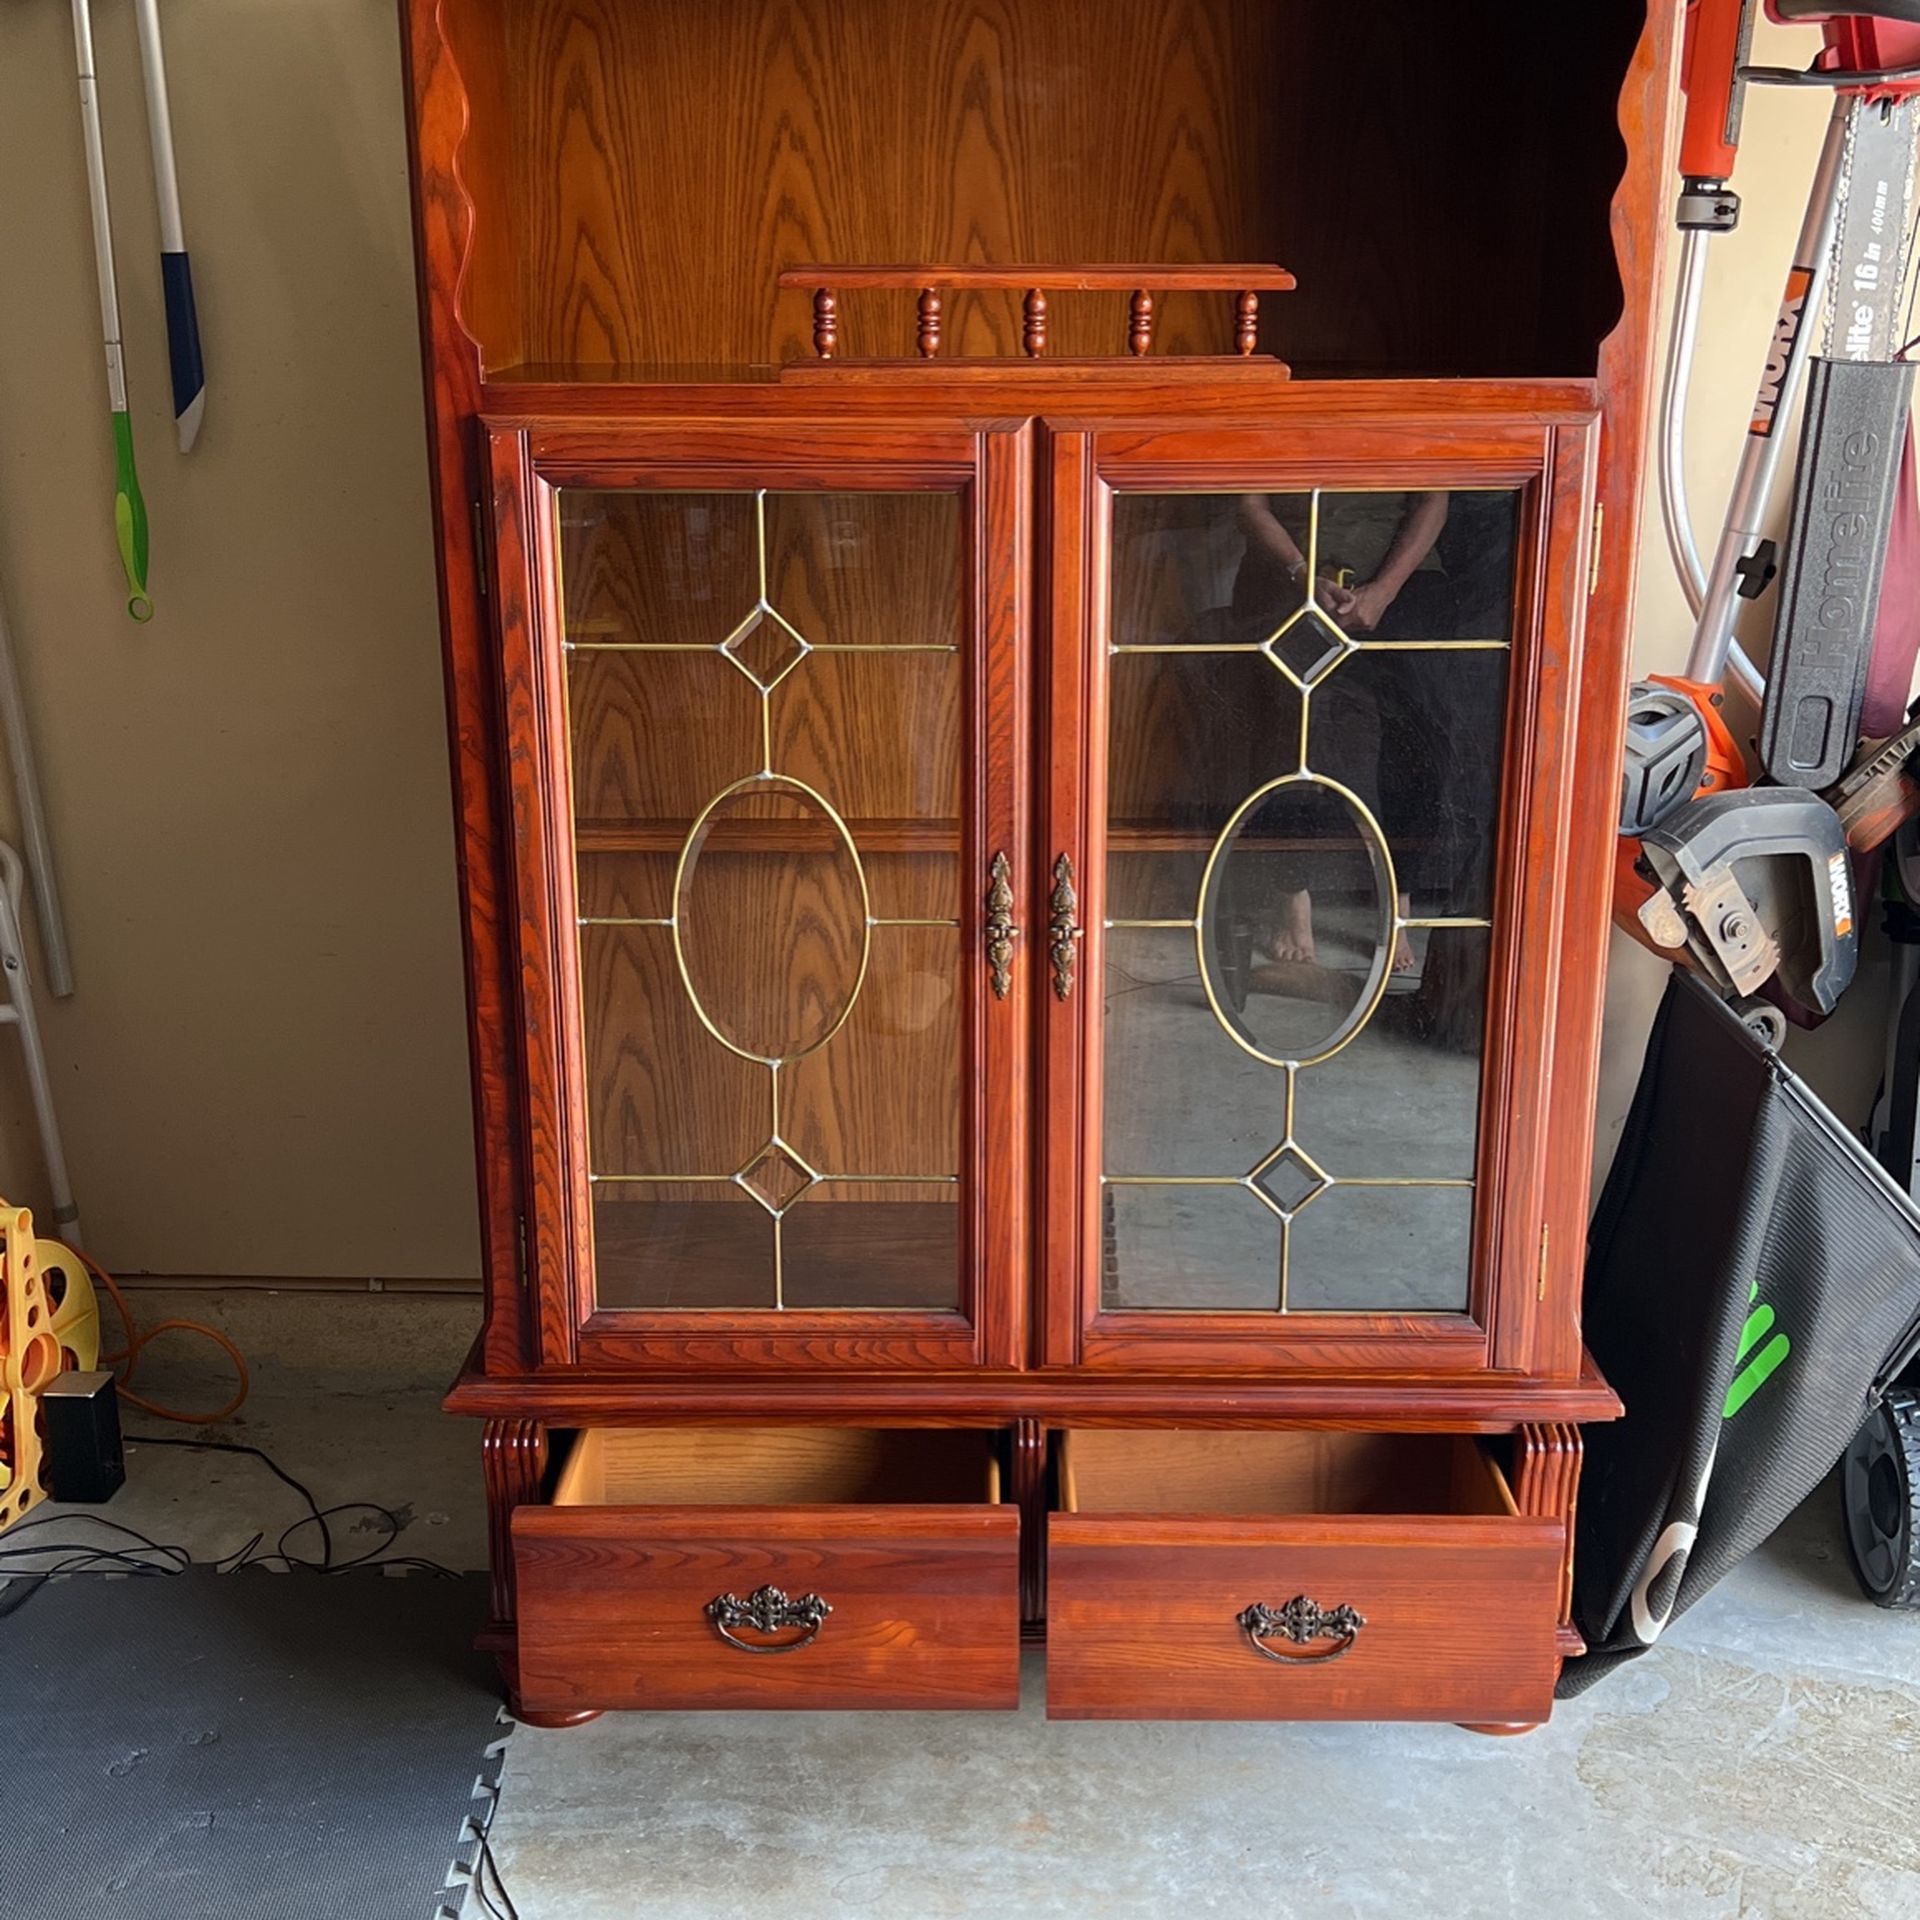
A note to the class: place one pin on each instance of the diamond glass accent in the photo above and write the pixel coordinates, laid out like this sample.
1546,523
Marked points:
1288,1181
766,648
777,1177
1308,647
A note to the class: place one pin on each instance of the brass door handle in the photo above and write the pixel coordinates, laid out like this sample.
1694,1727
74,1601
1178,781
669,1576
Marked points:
768,1611
1001,932
1063,932
1300,1623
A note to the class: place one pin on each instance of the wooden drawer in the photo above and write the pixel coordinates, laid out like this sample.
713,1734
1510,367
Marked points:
624,1580
1167,1541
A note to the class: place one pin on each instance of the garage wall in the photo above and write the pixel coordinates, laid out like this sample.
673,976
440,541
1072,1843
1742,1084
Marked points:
264,1069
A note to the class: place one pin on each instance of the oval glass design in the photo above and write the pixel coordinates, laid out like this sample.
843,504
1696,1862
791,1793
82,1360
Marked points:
771,919
1297,920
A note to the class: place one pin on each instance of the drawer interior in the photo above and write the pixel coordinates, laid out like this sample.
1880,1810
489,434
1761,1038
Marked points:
777,1466
1184,1471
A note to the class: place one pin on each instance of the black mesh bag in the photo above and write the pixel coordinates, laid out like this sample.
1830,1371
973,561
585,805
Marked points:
1753,1283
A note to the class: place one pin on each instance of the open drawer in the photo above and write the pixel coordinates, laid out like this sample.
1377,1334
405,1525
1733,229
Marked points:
1296,1576
770,1567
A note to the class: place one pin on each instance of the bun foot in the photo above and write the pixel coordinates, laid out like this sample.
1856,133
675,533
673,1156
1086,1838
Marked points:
1497,1729
577,1717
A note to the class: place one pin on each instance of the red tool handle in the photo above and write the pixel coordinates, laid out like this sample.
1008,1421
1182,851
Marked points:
1861,45
1875,37
1718,35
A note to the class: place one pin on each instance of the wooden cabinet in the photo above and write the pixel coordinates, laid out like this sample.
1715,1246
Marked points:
1034,839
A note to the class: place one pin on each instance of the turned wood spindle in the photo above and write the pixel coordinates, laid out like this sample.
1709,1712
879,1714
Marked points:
1140,321
929,322
1247,326
826,322
1034,338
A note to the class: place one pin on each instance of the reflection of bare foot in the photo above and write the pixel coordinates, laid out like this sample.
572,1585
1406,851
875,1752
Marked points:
1293,937
1403,960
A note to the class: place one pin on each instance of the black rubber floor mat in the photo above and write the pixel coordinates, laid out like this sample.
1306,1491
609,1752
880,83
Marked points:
222,1746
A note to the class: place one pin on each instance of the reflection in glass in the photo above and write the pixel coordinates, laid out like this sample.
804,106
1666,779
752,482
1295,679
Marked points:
1296,920
1307,709
765,723
1195,1249
1397,1249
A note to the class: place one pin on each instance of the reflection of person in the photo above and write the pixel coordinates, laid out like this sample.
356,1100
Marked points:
1376,554
1375,557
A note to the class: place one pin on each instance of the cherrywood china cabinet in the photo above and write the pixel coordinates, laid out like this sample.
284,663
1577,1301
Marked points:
1035,815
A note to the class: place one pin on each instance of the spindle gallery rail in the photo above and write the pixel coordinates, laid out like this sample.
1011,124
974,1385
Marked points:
1140,284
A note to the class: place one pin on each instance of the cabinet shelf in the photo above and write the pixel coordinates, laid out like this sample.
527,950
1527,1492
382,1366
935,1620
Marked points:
912,836
767,836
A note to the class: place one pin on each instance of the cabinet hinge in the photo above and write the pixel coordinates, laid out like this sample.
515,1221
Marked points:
520,1232
1593,569
1545,1232
479,548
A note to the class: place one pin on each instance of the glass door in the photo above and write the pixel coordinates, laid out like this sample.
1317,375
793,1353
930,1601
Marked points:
1303,704
771,839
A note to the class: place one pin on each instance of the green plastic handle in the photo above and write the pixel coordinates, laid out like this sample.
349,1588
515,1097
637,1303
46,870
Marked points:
130,519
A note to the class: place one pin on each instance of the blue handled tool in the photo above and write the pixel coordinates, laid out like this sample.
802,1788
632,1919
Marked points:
176,273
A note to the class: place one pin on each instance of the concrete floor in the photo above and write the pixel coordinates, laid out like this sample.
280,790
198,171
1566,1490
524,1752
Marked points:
1763,1763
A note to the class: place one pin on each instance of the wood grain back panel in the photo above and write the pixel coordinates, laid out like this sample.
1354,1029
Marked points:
659,166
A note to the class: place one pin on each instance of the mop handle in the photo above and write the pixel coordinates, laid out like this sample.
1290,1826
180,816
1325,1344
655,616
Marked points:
129,509
176,272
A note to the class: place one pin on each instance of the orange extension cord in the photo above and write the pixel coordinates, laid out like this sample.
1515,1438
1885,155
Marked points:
138,1342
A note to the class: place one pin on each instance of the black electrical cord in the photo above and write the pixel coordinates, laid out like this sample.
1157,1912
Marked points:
506,1910
233,1446
22,1583
1827,77
81,1557
315,1516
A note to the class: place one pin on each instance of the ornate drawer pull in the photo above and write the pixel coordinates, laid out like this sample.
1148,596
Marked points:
1062,912
1299,1623
1000,928
768,1611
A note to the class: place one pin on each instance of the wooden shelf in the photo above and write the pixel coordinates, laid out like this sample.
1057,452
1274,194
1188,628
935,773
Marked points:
768,836
1220,277
910,836
586,374
1146,838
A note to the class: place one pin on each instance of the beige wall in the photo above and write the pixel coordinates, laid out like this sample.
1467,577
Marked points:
264,1069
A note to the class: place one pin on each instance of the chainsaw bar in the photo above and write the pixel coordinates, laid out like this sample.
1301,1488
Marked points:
1874,231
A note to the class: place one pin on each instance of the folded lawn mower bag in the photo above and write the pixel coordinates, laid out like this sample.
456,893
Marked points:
1753,1283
